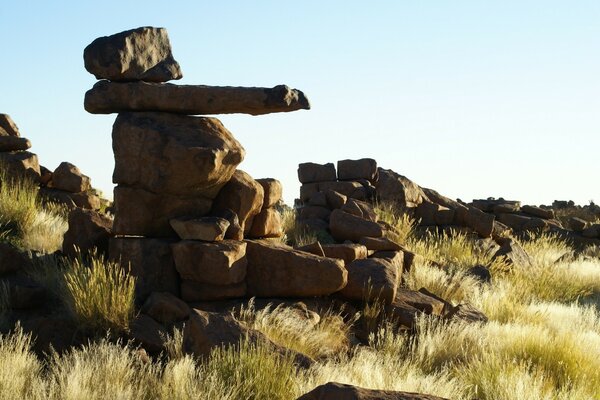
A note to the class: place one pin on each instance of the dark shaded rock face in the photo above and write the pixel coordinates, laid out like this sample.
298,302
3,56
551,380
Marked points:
339,391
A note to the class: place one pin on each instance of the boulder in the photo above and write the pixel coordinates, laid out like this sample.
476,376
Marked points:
150,261
422,301
489,205
339,391
466,312
395,257
361,209
143,213
111,97
352,189
165,308
353,170
319,199
511,207
344,226
88,230
244,196
234,231
273,191
11,259
208,229
335,199
538,212
313,248
13,143
195,292
279,270
347,252
397,189
371,279
148,333
311,212
513,253
8,126
412,259
137,54
21,164
69,178
86,200
592,231
516,222
312,172
380,244
307,191
181,155
577,224
267,224
220,263
24,294
480,222
481,273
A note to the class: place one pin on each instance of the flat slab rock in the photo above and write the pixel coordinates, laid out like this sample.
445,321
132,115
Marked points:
137,54
111,97
209,229
339,391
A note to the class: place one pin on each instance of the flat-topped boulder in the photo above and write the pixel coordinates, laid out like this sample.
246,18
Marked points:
352,170
111,97
174,154
13,143
372,279
137,54
312,172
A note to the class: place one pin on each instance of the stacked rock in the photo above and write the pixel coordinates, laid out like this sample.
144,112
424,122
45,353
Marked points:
69,186
183,211
13,151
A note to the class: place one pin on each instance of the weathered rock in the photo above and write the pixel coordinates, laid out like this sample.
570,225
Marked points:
151,335
513,253
360,209
310,212
480,222
401,313
110,97
577,224
335,199
397,189
209,229
8,126
312,172
307,191
538,212
86,200
346,226
52,332
395,257
46,176
273,191
481,273
516,222
267,224
165,308
150,261
22,164
11,259
13,143
466,312
24,293
313,248
137,54
345,251
88,230
535,224
412,259
244,196
234,231
140,212
488,205
353,170
194,291
319,199
69,178
181,155
351,189
220,263
421,301
278,270
592,231
380,244
371,279
339,391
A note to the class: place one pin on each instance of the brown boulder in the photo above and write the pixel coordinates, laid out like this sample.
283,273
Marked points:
371,279
165,308
334,199
278,270
137,54
395,257
88,230
8,126
422,301
208,229
189,156
311,212
234,231
344,226
13,143
361,209
21,164
220,263
150,261
318,199
538,212
380,244
148,333
339,391
69,178
195,292
347,252
273,191
397,189
353,170
312,172
577,224
244,196
267,224
86,200
513,253
480,222
307,191
140,212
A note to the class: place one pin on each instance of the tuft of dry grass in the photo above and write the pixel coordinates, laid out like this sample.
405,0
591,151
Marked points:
402,224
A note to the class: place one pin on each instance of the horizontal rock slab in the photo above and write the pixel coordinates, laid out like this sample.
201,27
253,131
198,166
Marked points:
352,170
137,54
345,251
21,164
112,97
278,270
8,126
208,229
143,213
344,226
538,212
174,154
13,143
312,172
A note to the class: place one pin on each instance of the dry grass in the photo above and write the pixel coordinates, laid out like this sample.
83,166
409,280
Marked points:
402,224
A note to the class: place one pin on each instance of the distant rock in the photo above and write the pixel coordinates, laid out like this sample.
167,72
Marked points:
69,178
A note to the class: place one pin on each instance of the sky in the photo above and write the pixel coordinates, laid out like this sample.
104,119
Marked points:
475,99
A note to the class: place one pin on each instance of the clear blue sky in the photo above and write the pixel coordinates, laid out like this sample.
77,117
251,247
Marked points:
472,98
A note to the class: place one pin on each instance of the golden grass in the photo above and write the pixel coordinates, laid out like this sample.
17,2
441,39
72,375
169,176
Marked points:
402,224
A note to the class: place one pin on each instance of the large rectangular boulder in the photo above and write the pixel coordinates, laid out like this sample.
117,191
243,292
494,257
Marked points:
107,97
353,170
372,279
344,226
312,172
278,270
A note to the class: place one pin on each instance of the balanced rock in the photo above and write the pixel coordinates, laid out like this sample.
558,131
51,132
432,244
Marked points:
208,229
339,391
372,279
180,155
8,126
243,195
111,97
137,54
312,172
273,191
397,189
278,270
220,263
143,213
353,170
150,261
88,230
13,143
69,178
21,164
346,226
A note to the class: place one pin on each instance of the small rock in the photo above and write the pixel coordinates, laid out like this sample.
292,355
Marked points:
380,244
345,251
513,253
